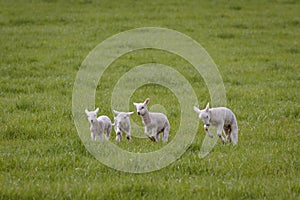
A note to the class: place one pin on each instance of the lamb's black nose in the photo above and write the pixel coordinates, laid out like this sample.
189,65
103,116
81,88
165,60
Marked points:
139,113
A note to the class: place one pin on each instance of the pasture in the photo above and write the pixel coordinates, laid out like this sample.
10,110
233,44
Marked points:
255,45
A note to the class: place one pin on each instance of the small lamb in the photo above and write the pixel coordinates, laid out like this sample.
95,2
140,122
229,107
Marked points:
155,122
98,125
122,124
221,117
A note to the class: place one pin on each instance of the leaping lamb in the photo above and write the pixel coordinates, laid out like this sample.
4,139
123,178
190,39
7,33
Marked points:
98,125
155,123
122,124
221,117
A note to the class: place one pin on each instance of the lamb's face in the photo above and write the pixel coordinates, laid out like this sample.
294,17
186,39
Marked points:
141,108
122,117
92,115
205,117
204,114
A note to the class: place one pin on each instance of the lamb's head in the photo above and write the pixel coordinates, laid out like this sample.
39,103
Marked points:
204,115
141,108
121,116
92,115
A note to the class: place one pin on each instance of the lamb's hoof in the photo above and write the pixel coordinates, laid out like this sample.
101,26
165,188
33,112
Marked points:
152,138
128,138
211,136
118,139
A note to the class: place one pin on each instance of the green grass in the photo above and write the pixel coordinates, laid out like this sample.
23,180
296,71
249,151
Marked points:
255,45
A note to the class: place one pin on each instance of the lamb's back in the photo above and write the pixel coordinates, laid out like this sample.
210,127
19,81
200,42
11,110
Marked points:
104,120
223,113
158,119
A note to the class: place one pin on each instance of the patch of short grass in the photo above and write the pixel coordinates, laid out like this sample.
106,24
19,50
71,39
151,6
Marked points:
255,45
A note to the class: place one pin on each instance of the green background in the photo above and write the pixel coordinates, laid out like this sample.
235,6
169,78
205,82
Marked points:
255,45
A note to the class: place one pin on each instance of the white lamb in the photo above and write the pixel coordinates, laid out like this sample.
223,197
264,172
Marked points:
122,124
221,117
154,122
98,125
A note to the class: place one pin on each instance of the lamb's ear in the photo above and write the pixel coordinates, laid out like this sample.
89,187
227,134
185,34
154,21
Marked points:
86,111
129,113
207,107
197,110
135,104
147,101
116,112
97,110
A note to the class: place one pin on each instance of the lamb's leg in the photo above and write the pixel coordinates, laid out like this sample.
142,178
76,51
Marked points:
93,136
227,132
234,134
154,135
206,128
128,135
119,136
149,136
166,133
157,137
220,129
108,131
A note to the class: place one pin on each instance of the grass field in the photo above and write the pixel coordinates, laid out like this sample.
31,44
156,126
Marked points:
255,45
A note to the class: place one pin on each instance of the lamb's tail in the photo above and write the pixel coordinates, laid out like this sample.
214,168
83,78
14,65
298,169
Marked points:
166,132
234,135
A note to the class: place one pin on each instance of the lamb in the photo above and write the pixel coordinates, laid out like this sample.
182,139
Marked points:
98,125
221,117
154,122
122,124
